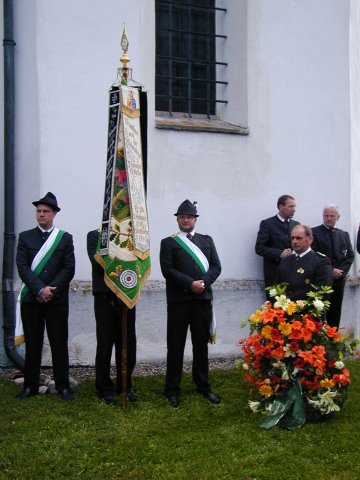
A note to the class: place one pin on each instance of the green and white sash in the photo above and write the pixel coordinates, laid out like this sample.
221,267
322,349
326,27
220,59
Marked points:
202,262
38,263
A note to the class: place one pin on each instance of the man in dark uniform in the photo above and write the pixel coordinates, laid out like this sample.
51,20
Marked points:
190,265
304,267
108,315
46,264
274,237
336,245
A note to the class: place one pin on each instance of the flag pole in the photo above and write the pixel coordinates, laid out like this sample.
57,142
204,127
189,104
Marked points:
124,318
124,245
124,330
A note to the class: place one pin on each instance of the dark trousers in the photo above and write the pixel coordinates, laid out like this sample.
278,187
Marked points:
333,315
35,316
197,315
108,314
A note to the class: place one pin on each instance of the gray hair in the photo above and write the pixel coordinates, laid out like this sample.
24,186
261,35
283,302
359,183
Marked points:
332,205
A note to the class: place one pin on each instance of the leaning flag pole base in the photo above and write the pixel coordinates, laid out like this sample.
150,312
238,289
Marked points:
124,329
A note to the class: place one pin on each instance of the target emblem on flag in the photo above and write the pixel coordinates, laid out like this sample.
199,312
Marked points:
128,279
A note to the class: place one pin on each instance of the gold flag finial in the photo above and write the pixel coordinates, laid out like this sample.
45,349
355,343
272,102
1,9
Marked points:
124,58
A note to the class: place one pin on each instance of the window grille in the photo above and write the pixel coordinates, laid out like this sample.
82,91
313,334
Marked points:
186,62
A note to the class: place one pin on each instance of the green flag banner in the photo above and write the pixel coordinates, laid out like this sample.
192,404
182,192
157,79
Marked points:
124,242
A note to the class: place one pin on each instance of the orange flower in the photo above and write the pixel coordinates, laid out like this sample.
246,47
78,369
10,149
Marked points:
319,350
342,378
309,324
278,353
308,357
332,332
296,332
280,315
307,335
268,315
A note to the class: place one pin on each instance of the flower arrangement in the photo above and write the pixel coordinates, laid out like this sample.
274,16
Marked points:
295,360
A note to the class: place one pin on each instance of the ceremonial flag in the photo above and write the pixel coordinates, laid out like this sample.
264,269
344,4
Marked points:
124,241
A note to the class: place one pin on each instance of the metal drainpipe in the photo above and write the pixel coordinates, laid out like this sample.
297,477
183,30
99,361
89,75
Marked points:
9,189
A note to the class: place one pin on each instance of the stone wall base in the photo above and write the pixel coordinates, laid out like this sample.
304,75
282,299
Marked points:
234,301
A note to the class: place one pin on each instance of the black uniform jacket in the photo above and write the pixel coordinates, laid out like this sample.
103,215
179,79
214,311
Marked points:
57,272
98,283
273,237
336,245
180,270
312,268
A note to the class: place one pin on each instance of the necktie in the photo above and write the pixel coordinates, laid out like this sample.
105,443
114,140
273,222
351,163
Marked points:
46,235
189,236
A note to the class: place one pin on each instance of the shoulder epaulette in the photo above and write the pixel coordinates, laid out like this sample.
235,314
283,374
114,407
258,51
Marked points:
320,254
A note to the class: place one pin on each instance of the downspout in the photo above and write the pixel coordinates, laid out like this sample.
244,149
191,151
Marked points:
9,189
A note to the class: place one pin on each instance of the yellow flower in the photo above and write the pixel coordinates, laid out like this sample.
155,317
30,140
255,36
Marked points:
285,328
265,390
327,383
291,308
266,332
256,317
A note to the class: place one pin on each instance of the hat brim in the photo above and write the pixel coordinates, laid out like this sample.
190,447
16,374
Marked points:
40,202
185,213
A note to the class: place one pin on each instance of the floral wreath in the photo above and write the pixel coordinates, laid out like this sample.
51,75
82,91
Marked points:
295,360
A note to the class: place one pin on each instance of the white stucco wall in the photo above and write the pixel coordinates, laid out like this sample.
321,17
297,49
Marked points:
298,72
355,117
298,102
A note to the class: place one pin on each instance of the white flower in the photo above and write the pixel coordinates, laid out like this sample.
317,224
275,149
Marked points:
272,292
279,365
281,302
285,375
288,351
326,402
245,366
254,406
339,365
318,304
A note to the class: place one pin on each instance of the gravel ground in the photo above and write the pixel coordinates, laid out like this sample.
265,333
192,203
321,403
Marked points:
80,373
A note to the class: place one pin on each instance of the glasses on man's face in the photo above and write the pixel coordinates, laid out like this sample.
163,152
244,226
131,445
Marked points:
43,211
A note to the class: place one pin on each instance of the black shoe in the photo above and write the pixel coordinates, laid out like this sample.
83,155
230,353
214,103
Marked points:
66,395
173,400
211,397
26,393
132,397
108,399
